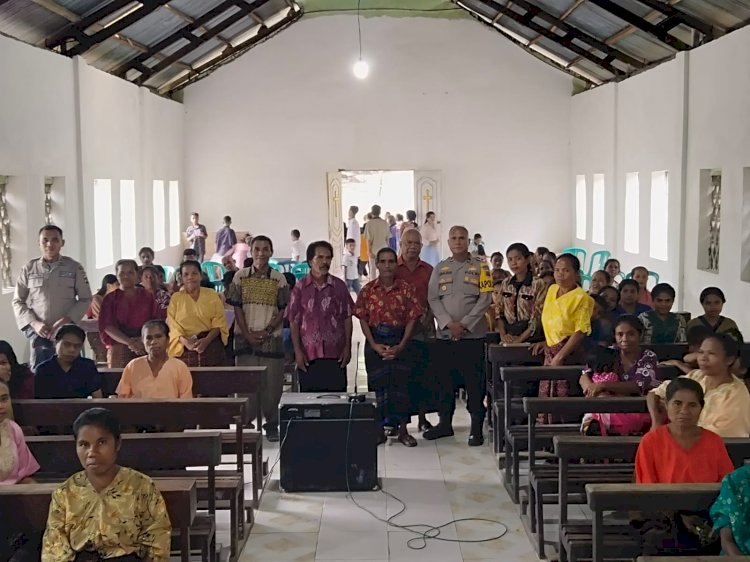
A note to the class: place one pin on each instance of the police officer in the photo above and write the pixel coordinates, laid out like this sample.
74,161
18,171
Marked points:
459,294
51,291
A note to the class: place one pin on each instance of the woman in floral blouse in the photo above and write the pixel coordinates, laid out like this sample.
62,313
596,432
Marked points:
631,372
387,309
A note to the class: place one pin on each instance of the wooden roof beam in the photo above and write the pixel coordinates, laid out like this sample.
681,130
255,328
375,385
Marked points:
676,16
185,17
563,17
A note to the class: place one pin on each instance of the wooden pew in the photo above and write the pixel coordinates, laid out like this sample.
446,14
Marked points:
29,504
208,382
514,378
188,413
156,454
572,476
617,541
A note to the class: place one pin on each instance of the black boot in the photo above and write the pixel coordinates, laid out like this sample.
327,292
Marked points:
443,429
476,437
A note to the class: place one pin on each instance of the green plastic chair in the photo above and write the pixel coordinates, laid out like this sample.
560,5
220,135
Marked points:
215,272
169,272
651,275
274,263
580,253
300,270
598,259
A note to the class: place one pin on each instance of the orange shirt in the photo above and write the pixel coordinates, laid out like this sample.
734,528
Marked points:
364,250
173,381
661,460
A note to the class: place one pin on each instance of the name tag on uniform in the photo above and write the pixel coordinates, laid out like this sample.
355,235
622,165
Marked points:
68,274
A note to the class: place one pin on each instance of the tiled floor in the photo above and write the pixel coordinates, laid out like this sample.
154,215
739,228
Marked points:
439,481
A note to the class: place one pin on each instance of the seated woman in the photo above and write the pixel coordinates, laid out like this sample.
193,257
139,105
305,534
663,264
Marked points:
17,376
681,452
151,281
156,375
660,325
109,284
197,326
629,291
712,300
123,314
612,266
599,280
730,513
727,408
67,374
105,511
17,465
689,362
627,371
388,310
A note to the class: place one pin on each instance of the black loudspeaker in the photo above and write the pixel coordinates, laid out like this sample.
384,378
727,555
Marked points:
314,429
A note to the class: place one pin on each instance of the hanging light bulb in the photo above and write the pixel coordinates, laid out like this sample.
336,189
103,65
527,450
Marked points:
361,69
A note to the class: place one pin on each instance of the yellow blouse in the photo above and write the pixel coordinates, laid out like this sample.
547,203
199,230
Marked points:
187,317
564,316
127,517
727,409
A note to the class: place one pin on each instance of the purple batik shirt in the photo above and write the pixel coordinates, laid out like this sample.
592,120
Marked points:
321,312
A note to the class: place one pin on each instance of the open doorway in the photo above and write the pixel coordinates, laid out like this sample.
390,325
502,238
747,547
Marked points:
396,191
393,190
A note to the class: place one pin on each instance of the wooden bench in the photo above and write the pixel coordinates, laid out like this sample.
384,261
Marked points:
572,477
574,407
619,541
159,454
514,379
30,505
188,413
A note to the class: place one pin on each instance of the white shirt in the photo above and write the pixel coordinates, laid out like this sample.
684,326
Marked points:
352,231
298,250
350,266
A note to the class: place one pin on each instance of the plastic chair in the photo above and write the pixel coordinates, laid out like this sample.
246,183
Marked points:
650,275
274,263
580,253
169,272
598,259
300,270
215,272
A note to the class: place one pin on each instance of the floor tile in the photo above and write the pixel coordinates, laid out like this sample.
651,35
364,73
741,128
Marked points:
347,545
280,547
433,550
342,514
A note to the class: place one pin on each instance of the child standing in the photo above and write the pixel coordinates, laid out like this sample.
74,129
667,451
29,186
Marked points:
640,274
660,325
351,269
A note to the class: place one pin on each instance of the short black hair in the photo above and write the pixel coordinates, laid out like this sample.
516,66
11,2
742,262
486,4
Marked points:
492,257
411,215
227,218
727,342
189,252
101,417
157,322
606,274
708,291
477,235
296,233
191,263
574,262
126,261
385,251
632,321
636,268
375,210
630,283
542,250
612,260
263,238
519,247
350,241
662,288
684,383
70,329
313,247
146,250
51,227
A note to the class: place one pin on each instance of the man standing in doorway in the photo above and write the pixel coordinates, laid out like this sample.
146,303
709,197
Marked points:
196,235
259,295
459,294
51,291
320,317
377,233
225,237
417,272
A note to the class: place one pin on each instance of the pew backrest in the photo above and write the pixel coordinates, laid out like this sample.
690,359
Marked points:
650,497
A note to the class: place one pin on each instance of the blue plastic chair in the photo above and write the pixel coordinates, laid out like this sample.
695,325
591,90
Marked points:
580,253
300,270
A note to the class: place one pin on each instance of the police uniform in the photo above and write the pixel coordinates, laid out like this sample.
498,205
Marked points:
48,292
460,291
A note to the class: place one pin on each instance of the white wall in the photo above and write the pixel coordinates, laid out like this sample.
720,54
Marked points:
61,118
262,132
683,116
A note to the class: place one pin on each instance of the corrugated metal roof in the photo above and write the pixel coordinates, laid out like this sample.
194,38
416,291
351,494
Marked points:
594,40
